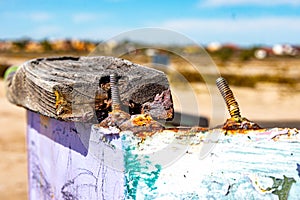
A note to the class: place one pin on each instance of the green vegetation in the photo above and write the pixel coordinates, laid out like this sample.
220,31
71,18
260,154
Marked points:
245,80
21,43
224,54
247,54
230,55
46,45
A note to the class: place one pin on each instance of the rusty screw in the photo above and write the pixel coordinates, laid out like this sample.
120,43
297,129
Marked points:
227,94
115,96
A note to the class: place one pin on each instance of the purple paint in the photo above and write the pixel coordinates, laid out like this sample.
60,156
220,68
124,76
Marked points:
61,132
67,160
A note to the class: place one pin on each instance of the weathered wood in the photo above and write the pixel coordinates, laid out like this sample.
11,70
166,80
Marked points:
78,89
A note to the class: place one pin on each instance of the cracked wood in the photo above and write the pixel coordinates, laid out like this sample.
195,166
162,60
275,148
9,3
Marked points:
77,88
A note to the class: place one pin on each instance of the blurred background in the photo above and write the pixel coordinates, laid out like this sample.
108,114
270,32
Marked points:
255,45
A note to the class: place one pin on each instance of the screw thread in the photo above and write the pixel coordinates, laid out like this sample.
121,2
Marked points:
227,94
115,96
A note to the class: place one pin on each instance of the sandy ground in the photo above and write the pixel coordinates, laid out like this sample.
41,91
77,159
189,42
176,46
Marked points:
263,103
271,105
13,160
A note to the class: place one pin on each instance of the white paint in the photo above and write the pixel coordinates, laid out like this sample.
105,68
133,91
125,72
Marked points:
164,166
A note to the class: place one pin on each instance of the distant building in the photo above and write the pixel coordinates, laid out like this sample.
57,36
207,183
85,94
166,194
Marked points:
90,47
260,54
78,45
61,45
33,46
263,52
231,46
214,46
284,49
161,59
6,45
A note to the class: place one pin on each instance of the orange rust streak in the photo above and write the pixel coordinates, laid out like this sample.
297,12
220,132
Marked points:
142,120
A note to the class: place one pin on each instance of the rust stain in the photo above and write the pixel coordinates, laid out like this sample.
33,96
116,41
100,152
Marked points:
236,122
142,125
240,125
142,120
61,105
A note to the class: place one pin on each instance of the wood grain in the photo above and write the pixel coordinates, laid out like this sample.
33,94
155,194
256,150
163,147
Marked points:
77,88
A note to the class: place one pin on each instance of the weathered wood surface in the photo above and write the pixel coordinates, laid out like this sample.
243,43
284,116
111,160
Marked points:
78,89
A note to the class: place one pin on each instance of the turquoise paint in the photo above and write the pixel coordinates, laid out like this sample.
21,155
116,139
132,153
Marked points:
139,171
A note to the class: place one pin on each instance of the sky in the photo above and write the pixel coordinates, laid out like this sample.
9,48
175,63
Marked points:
242,22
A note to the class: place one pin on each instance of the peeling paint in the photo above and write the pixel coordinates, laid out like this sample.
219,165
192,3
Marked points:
140,173
282,186
257,164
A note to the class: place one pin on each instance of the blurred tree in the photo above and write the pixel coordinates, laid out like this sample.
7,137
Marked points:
247,54
46,45
224,54
21,43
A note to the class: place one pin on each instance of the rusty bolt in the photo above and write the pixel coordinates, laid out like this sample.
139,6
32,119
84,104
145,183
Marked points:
227,94
115,96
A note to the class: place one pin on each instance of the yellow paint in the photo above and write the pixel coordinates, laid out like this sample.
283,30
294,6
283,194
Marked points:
60,103
58,98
